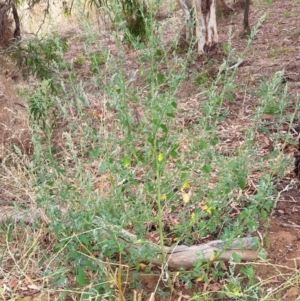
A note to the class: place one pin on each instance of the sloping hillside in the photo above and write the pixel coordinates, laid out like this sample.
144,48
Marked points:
154,139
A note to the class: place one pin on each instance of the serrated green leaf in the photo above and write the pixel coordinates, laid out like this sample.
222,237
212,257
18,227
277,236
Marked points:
214,141
230,96
158,52
81,277
203,144
160,78
242,183
236,258
164,128
206,168
95,153
173,153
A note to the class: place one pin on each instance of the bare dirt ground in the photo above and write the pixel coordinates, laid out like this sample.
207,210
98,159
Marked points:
13,112
276,47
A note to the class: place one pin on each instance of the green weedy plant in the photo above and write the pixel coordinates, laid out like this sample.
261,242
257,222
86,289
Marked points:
159,108
42,105
160,145
232,173
39,56
133,201
43,111
147,161
255,29
273,95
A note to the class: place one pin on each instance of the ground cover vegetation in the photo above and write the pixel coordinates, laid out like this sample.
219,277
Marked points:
122,128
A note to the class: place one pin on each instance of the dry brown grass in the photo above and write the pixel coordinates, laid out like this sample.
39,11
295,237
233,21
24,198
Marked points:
14,120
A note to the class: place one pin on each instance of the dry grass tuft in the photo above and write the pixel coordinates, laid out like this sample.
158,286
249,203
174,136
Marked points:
14,129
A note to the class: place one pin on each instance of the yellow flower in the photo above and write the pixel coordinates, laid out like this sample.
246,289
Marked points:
142,265
185,185
126,162
160,157
186,197
163,197
236,291
207,209
199,279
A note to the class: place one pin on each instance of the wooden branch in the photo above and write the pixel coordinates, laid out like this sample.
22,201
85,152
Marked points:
179,256
187,257
183,256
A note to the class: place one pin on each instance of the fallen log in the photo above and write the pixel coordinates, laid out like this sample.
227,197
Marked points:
182,256
179,256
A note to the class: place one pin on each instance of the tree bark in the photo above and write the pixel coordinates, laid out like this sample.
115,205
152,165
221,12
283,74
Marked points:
17,32
187,7
246,17
206,25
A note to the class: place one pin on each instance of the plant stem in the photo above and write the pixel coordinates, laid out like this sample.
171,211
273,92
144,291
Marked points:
159,217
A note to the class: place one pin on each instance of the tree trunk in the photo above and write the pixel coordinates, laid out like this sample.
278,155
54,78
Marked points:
206,25
246,17
17,32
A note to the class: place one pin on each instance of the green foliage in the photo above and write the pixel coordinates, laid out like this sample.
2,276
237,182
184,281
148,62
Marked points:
40,56
97,60
273,94
42,103
43,115
131,153
134,200
135,13
136,21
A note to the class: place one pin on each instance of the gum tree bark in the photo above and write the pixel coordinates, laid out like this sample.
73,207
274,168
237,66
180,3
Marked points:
205,20
188,8
206,25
